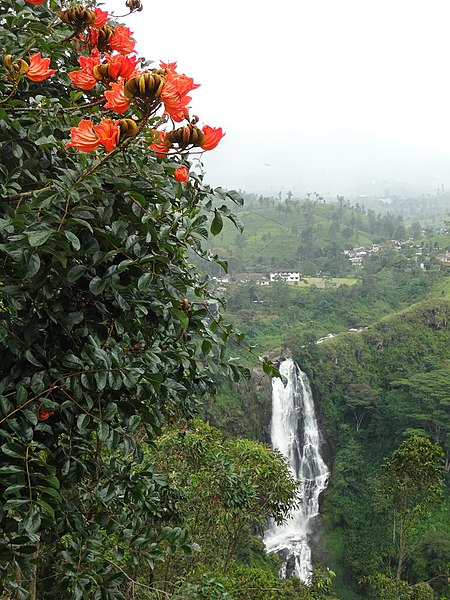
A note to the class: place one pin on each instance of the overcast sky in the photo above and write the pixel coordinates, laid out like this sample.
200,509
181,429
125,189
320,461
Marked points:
333,96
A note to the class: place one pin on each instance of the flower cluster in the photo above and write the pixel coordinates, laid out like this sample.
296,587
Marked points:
88,137
36,70
108,61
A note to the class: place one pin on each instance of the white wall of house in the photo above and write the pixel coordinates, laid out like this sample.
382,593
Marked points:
288,276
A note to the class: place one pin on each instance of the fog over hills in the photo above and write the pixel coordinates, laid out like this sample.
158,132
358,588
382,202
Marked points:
328,161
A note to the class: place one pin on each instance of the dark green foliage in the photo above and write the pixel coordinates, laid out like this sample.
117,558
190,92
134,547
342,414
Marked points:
105,330
374,391
382,587
411,482
230,488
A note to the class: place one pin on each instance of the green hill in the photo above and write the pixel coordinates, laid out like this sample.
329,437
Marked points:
375,388
306,235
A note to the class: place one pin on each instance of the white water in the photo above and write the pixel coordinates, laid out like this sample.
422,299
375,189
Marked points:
295,433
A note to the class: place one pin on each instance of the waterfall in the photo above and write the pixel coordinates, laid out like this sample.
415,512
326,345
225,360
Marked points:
295,433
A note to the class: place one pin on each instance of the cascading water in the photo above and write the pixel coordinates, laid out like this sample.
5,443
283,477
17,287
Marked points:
295,433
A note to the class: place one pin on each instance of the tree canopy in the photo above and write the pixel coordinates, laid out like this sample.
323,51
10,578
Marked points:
107,329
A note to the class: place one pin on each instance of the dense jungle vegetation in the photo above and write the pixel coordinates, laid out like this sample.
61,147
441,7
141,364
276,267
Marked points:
381,386
113,342
109,336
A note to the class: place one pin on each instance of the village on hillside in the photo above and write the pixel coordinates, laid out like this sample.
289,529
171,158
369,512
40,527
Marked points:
355,255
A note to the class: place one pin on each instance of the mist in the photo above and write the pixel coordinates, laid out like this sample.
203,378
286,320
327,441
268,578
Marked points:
329,162
344,97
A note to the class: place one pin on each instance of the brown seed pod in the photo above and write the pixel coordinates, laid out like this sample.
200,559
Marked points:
105,34
77,16
7,61
189,135
127,129
101,72
20,66
185,305
134,5
145,86
16,68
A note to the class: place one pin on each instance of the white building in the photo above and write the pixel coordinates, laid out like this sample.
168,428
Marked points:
288,276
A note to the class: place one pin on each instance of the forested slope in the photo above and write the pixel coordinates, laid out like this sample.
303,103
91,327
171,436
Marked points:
375,389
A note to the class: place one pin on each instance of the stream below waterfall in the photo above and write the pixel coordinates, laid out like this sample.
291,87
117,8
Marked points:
295,433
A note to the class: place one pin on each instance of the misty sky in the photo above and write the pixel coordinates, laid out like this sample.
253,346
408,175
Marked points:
333,96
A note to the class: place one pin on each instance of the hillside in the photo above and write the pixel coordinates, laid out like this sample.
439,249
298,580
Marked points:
375,388
307,235
282,314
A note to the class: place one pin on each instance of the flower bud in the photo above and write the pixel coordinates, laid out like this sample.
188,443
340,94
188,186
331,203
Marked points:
145,86
127,129
134,5
78,16
189,135
103,37
7,61
101,72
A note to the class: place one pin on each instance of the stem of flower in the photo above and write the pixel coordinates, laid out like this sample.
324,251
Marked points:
12,93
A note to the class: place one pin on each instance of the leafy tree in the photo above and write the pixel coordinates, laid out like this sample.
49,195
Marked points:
383,587
230,489
106,329
361,400
412,479
424,402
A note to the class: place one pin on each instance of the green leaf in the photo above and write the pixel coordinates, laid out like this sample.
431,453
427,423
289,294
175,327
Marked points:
15,502
103,431
33,265
75,273
206,346
32,359
97,285
83,421
145,281
101,378
49,491
14,450
32,520
138,197
133,423
46,507
183,318
38,237
110,411
75,242
217,224
37,383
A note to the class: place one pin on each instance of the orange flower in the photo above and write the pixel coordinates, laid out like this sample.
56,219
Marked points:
84,137
158,145
107,132
45,414
101,18
175,102
122,66
83,78
169,66
121,41
35,1
181,174
213,135
39,70
93,37
116,99
175,92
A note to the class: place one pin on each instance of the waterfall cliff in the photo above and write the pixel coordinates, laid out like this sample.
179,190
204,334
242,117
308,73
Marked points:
295,433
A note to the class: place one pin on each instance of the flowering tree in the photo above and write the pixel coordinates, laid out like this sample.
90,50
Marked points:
106,329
